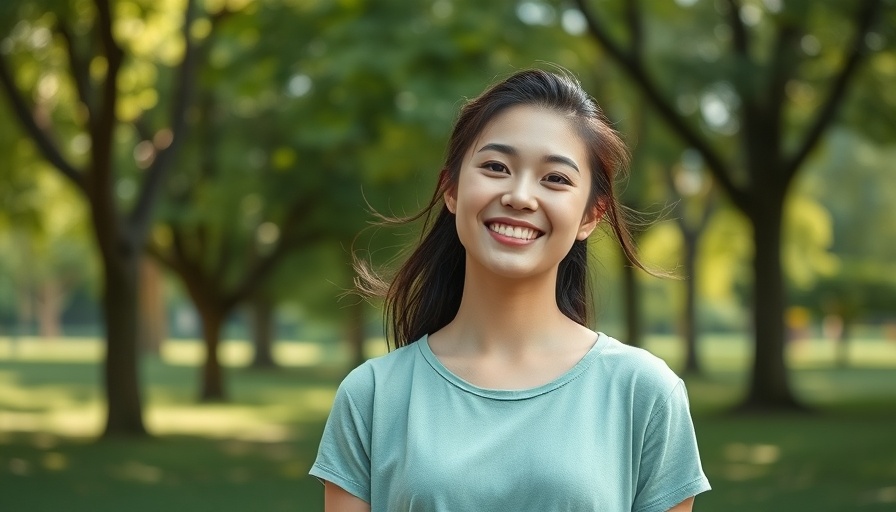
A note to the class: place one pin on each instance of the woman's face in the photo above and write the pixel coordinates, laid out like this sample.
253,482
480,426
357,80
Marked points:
522,194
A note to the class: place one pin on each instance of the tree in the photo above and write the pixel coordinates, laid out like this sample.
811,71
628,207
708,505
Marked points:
224,255
50,257
692,216
98,53
751,142
352,104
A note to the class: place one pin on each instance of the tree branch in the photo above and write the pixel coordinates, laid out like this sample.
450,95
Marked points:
650,90
636,29
162,256
738,29
80,68
761,107
41,138
864,19
154,176
227,247
264,266
290,239
202,291
188,263
102,123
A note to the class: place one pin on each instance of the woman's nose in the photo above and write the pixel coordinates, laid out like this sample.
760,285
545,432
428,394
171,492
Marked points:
520,196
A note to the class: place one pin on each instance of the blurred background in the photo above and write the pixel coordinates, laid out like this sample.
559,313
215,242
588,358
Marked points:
183,182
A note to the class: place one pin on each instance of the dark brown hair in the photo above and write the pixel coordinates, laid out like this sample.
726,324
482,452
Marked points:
425,293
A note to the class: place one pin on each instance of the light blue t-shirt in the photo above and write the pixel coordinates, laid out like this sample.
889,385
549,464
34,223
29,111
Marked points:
614,433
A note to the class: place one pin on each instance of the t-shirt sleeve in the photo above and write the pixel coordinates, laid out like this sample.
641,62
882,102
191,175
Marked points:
343,457
670,470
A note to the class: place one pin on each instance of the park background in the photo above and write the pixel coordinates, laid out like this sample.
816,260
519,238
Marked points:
183,182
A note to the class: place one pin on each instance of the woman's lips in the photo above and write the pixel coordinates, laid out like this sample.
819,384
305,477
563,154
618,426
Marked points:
523,233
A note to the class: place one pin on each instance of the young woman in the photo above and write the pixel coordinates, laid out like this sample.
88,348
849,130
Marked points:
498,396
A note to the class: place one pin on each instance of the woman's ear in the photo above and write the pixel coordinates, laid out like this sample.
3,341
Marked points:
450,191
450,198
591,219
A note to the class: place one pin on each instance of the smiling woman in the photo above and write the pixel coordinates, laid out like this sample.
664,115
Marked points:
499,396
522,179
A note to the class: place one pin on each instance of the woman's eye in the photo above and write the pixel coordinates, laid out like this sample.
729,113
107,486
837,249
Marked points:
495,167
558,179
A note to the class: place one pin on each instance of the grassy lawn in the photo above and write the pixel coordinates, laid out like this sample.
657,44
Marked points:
253,453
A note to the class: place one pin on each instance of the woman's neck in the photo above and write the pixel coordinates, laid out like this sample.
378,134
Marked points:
507,315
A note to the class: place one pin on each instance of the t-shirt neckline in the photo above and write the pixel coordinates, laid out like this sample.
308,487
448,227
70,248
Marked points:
513,394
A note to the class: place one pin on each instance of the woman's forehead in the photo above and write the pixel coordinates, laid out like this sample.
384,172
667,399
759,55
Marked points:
532,129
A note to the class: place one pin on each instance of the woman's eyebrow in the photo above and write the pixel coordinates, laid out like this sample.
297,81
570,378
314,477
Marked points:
511,151
500,148
559,159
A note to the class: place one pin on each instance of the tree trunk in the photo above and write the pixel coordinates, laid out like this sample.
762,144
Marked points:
25,306
769,387
689,315
356,336
212,378
843,343
262,314
49,309
124,411
153,324
632,304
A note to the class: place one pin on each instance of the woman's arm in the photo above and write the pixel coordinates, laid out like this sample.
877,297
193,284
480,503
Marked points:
684,506
337,499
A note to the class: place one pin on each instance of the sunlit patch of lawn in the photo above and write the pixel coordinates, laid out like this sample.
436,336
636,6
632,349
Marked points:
40,392
252,452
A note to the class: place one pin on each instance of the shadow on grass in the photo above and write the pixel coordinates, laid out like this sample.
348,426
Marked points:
41,472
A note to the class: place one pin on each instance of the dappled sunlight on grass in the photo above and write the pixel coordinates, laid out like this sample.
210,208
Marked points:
215,421
797,462
237,353
71,409
82,421
733,353
38,398
758,454
65,417
726,352
58,391
862,353
138,472
69,350
882,495
748,461
268,423
848,387
178,352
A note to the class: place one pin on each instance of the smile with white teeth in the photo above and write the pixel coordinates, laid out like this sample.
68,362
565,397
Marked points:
514,231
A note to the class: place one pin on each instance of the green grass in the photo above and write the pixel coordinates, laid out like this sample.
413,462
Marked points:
253,453
825,462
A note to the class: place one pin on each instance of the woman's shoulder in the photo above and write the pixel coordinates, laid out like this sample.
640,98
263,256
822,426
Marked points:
365,377
643,370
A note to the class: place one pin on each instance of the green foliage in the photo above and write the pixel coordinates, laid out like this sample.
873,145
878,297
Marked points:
808,238
346,106
852,179
44,240
333,108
